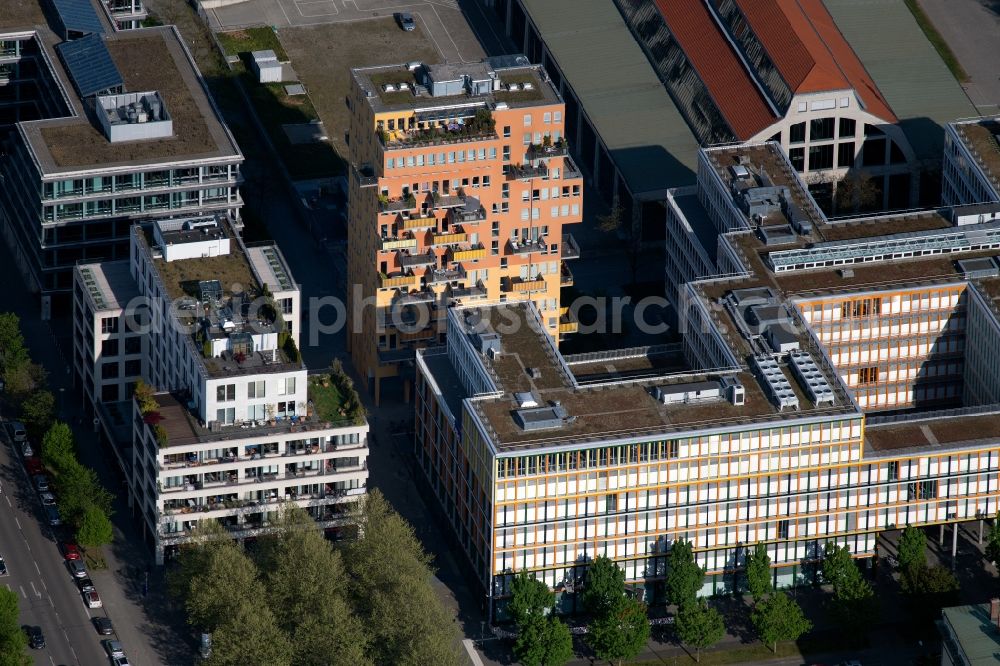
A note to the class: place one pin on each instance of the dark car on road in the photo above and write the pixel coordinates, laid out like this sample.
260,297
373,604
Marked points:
103,625
3,567
405,20
36,639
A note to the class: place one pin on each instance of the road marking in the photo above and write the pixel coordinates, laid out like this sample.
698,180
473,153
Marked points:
75,658
27,545
8,501
43,583
52,660
33,589
18,522
23,593
39,571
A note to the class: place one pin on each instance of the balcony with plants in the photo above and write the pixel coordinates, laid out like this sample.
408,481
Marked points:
548,148
479,127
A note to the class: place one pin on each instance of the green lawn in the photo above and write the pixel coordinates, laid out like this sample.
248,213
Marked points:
252,39
327,400
937,41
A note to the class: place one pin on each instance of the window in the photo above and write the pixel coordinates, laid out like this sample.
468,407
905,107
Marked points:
862,308
133,368
893,471
109,324
109,348
506,131
527,120
526,138
109,370
783,526
797,156
133,345
820,157
109,393
226,415
255,389
845,155
896,154
868,375
286,386
846,127
928,489
286,306
225,392
797,133
821,129
873,152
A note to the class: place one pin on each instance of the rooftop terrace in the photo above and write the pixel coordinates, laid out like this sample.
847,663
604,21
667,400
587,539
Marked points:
939,430
183,428
152,59
507,85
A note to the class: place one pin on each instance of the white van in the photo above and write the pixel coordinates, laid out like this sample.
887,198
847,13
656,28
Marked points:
17,431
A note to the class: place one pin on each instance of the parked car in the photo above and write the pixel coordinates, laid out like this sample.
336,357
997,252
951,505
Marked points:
69,550
48,499
17,431
77,569
84,584
113,648
26,449
3,567
41,482
405,20
103,625
92,598
119,661
34,465
36,639
52,515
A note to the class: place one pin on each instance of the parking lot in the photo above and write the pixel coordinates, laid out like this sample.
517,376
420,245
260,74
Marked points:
442,21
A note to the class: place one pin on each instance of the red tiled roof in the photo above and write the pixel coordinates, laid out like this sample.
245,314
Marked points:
732,89
809,50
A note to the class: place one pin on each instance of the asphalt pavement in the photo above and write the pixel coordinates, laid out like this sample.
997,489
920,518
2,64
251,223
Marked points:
48,597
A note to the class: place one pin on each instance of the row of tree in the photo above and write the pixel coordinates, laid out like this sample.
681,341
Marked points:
25,382
297,599
13,642
83,502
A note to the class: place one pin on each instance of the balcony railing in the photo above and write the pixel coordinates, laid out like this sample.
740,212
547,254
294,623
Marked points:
477,251
468,215
522,172
398,281
396,205
388,244
567,322
529,247
413,260
539,150
432,137
570,250
449,239
521,286
419,222
570,170
565,276
449,200
476,291
445,275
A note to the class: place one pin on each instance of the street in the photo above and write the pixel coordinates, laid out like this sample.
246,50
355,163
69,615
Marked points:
48,597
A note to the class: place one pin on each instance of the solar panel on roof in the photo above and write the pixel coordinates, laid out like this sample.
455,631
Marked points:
77,16
89,65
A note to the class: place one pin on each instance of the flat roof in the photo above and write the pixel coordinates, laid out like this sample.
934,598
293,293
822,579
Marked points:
612,406
907,70
936,431
21,14
980,135
373,80
109,284
978,637
629,107
181,276
148,59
